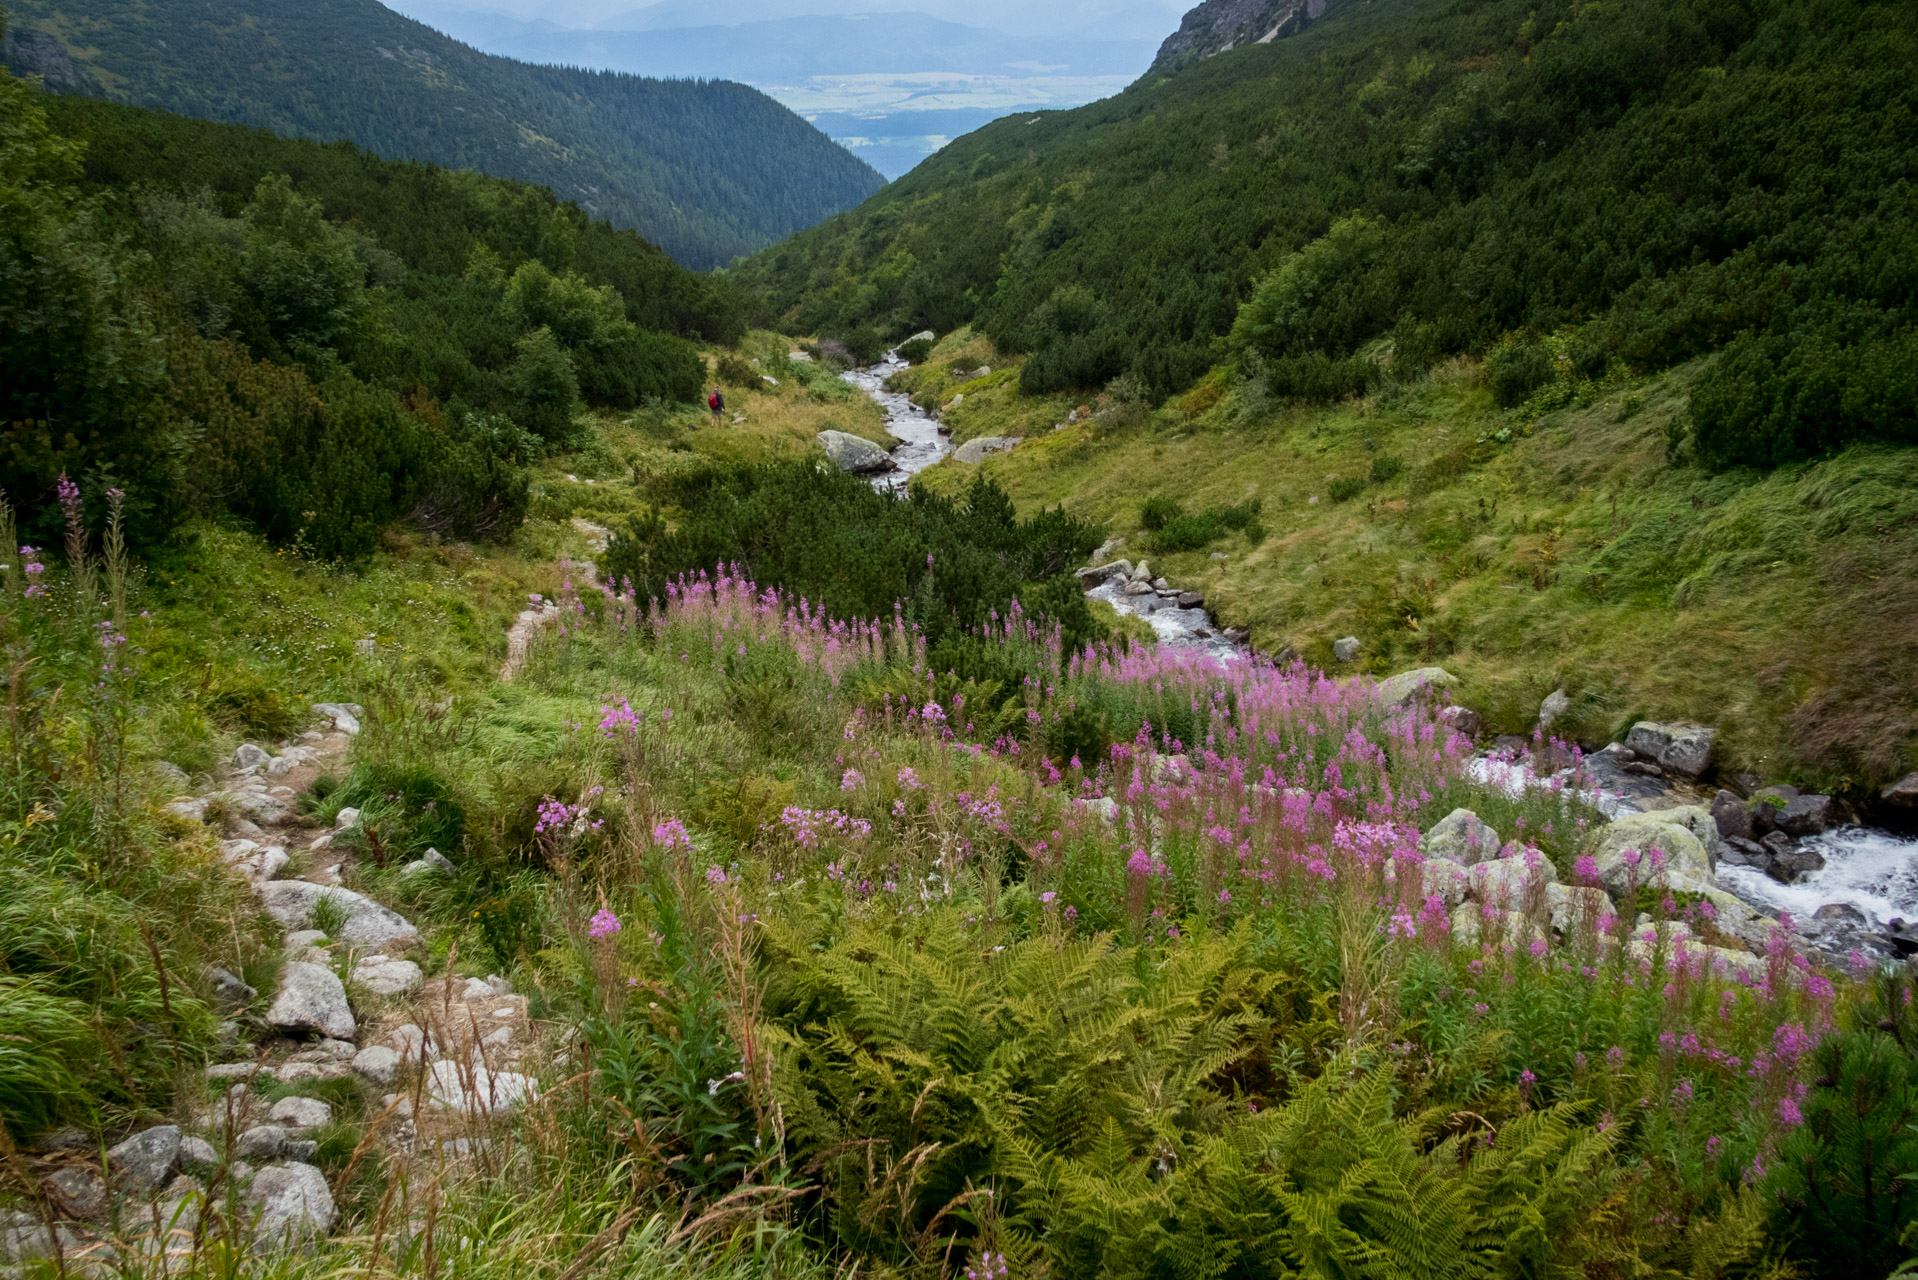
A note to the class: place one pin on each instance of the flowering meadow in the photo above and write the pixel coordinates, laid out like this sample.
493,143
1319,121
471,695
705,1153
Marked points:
1121,962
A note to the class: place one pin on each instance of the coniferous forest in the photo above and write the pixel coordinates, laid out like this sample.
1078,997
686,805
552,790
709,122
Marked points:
1414,181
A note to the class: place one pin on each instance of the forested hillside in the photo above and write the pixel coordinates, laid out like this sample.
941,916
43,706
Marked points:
706,169
222,322
1644,181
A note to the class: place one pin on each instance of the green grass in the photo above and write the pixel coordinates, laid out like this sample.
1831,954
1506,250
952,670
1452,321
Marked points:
1528,554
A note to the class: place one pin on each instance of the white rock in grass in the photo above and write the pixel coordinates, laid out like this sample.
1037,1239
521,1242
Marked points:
368,924
387,977
250,756
300,1113
345,715
346,819
475,1091
311,998
379,1064
293,1203
1461,837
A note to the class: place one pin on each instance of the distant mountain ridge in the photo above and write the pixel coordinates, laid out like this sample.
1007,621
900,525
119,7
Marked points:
709,170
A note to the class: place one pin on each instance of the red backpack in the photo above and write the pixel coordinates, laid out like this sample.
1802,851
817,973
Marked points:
712,400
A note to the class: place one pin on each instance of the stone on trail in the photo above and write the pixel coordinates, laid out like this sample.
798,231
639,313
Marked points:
851,453
143,1163
250,756
1396,691
378,1064
300,1113
78,1192
367,923
384,976
476,1091
197,1156
346,819
230,993
261,1142
293,1205
1461,837
345,715
311,999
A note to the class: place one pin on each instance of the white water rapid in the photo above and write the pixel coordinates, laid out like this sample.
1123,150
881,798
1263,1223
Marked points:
921,441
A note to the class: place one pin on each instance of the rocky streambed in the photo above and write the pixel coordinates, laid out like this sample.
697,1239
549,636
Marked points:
922,441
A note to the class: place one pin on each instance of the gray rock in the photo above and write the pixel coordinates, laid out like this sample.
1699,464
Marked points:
1514,884
1843,913
1903,792
1574,907
302,1148
64,1139
240,1071
1776,844
230,994
384,976
367,924
250,757
1446,879
1406,686
1139,587
924,334
1738,851
1346,649
254,806
304,1072
77,1192
143,1163
1684,749
293,1205
300,1113
1093,575
379,1064
311,999
1462,837
346,716
1698,820
1471,924
171,774
1191,599
1794,864
197,1156
1556,704
476,1091
347,819
1683,853
261,1143
1732,816
850,453
973,452
1461,720
1805,816
408,1041
300,939
188,808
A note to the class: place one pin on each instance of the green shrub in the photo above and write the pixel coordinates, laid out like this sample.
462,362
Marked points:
1157,512
831,537
1183,532
1346,488
1516,368
734,370
916,351
1776,398
1386,468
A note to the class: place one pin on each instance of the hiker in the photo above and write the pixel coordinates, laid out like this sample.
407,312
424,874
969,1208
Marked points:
716,401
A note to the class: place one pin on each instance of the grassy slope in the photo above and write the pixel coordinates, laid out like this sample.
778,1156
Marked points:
1576,555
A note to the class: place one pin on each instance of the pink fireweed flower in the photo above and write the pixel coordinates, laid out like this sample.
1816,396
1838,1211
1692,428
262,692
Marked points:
1585,869
604,924
909,779
851,780
716,875
671,834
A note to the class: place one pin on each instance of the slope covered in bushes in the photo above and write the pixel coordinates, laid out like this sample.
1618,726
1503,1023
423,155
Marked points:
318,341
708,169
1406,181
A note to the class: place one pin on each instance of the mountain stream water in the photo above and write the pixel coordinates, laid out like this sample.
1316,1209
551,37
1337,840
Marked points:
923,443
